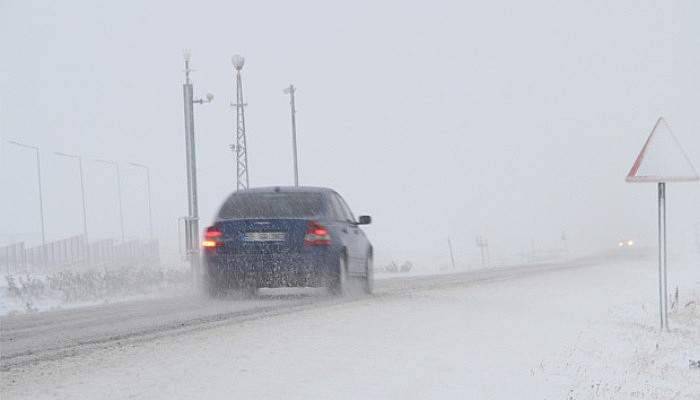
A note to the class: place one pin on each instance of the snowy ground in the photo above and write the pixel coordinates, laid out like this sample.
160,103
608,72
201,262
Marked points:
582,333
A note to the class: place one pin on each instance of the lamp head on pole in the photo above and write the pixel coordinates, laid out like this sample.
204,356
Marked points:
62,154
238,61
138,165
110,162
23,145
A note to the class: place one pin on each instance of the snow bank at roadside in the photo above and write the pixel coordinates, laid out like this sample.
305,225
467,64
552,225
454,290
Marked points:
23,293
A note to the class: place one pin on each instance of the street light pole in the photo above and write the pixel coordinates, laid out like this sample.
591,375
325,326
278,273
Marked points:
483,245
41,197
192,220
290,91
82,197
148,194
119,194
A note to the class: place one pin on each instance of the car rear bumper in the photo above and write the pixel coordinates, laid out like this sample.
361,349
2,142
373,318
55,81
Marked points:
272,270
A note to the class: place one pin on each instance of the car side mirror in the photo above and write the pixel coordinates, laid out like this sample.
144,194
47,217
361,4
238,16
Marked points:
364,220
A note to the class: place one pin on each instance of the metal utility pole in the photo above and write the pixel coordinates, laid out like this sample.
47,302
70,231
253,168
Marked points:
148,196
564,239
452,256
82,198
119,194
192,219
290,91
41,197
240,147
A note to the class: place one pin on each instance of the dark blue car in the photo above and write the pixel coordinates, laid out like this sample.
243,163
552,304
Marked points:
287,237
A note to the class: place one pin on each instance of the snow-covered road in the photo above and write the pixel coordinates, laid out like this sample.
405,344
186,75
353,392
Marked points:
569,331
26,338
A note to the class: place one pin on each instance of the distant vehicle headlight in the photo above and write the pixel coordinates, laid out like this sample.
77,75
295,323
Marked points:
630,243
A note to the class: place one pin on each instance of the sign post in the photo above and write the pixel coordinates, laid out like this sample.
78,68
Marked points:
662,160
663,257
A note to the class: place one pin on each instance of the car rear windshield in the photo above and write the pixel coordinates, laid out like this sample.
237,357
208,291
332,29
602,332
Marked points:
272,205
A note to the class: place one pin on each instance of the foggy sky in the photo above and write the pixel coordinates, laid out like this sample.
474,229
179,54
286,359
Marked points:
517,121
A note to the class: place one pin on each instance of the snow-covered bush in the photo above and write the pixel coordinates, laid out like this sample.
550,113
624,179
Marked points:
73,286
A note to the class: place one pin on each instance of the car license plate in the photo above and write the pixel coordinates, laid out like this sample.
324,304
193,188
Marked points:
264,236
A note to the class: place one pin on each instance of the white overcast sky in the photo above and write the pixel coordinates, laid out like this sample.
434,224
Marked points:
514,120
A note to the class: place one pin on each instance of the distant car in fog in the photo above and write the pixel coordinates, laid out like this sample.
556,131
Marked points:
625,243
287,237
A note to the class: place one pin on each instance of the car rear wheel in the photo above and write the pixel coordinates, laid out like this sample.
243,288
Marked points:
247,290
339,282
213,287
368,280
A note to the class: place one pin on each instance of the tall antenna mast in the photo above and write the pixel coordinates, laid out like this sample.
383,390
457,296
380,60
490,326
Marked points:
240,148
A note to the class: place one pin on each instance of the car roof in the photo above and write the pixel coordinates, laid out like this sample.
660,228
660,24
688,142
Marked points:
287,189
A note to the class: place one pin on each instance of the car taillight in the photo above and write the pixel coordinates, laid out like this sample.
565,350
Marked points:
211,238
317,235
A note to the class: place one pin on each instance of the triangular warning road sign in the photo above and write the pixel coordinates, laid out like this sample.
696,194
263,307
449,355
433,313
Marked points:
662,159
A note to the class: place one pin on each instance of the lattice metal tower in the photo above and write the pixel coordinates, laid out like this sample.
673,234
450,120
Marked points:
239,148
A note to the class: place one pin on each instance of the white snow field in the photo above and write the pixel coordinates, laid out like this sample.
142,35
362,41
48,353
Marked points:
581,333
